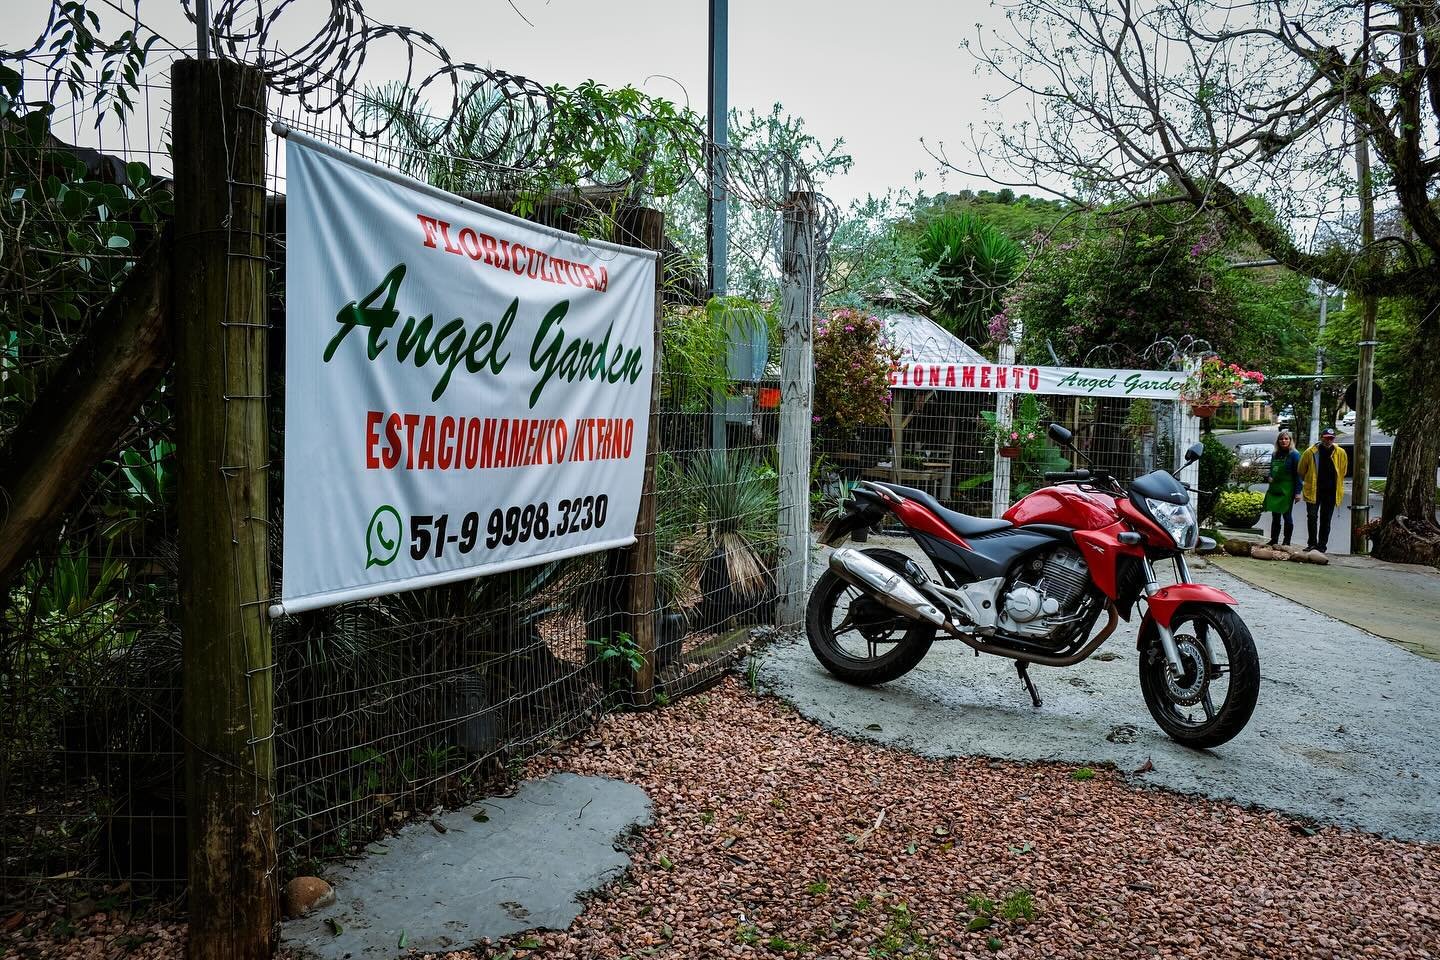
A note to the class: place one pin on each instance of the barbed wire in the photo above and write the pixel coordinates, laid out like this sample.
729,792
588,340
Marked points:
510,132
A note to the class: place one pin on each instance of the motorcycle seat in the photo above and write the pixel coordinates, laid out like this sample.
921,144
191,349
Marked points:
962,523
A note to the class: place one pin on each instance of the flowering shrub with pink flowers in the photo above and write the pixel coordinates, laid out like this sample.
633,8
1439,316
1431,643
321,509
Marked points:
1216,383
853,359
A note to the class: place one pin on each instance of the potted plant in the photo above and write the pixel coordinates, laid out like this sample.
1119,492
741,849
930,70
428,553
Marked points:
1026,428
717,537
835,505
1215,383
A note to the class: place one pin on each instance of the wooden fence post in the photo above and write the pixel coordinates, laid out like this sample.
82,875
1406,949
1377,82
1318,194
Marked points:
643,227
797,401
220,324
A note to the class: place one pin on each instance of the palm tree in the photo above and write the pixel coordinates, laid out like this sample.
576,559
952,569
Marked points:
973,265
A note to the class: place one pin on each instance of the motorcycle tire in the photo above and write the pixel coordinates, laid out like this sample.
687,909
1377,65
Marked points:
1243,672
903,656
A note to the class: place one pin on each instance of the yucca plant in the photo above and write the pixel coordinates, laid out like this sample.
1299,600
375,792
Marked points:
973,265
717,531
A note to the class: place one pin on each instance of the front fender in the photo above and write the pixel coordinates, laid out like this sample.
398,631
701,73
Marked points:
1165,601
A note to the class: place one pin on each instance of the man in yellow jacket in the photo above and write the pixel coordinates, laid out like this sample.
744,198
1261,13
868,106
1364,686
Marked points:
1322,469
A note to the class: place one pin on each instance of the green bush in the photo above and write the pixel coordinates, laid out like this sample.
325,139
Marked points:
1216,465
1239,509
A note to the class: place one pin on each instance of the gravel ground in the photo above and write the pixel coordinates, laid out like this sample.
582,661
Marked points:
774,838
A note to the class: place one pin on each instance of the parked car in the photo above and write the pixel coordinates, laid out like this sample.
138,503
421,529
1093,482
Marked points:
1348,421
1257,455
1286,418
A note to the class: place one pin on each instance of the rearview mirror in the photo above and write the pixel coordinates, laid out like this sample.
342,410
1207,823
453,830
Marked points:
1059,434
1196,451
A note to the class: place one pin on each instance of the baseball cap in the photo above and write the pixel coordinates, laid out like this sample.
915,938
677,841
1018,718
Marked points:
1328,432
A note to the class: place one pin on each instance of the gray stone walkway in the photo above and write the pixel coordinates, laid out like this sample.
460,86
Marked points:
522,866
1345,731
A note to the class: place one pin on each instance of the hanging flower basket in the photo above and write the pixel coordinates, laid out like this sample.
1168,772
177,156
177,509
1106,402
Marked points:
1215,383
1009,453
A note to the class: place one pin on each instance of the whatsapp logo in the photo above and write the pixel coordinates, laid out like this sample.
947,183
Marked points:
382,537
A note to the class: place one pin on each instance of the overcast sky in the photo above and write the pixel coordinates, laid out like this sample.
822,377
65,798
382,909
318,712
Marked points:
880,75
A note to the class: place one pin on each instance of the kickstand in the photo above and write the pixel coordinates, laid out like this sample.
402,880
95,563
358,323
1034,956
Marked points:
1023,668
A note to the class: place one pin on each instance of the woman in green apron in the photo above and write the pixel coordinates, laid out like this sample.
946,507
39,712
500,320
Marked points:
1284,487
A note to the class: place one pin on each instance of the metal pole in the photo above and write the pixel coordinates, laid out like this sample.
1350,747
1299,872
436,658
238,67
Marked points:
716,207
202,29
1319,367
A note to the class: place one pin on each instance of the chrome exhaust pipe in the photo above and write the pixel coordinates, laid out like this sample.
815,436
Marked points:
884,585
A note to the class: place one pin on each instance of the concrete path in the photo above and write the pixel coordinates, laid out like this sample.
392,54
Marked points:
521,866
1345,732
1397,601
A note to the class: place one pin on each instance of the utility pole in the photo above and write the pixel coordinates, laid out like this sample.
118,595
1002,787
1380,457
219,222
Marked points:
1360,487
1314,436
716,207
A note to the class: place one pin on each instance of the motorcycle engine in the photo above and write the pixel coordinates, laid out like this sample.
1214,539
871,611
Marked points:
1045,594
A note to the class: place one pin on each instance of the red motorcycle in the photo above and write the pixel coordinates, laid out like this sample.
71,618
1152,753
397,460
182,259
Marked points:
1032,587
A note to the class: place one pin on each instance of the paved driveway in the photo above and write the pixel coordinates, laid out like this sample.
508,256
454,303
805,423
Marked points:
1345,731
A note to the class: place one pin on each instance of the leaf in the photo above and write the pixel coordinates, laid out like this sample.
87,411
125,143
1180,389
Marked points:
335,928
978,923
404,939
17,195
73,204
117,242
481,817
666,862
137,173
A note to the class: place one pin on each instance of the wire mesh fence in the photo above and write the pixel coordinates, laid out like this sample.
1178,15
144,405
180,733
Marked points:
90,754
945,448
385,709
955,425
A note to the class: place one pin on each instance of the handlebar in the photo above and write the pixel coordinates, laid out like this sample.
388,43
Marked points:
1068,476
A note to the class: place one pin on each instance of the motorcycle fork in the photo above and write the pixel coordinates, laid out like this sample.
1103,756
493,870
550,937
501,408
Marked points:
1167,638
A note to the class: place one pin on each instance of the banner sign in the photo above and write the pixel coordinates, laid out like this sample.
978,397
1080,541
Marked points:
1066,381
465,392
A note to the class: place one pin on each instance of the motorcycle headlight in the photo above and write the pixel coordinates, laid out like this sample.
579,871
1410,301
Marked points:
1176,519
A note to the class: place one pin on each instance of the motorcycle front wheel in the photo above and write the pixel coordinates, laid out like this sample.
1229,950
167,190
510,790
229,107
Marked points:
858,639
1213,698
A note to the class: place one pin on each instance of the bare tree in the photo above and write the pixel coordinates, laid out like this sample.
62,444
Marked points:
1250,108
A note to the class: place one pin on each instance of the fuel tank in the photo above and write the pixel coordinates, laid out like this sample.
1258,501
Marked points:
1065,506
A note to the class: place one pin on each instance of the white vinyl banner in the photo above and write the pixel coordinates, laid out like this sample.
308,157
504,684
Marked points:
465,392
1065,381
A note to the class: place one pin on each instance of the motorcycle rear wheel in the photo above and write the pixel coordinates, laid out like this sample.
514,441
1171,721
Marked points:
838,645
1184,707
